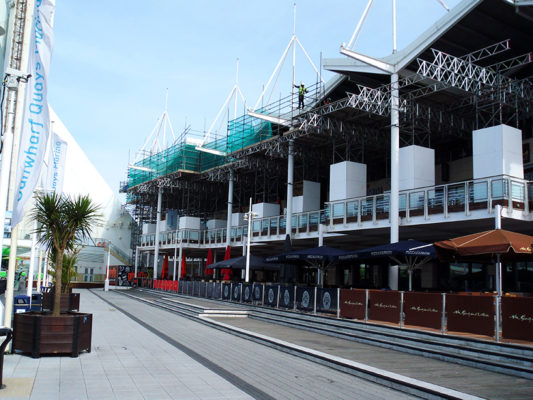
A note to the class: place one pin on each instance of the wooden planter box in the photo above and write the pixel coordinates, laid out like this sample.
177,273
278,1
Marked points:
69,302
41,333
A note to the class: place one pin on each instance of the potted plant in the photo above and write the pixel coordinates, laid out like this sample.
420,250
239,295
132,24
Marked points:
69,301
63,223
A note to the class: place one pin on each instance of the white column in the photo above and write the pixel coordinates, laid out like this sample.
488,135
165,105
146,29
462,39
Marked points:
320,243
250,217
394,174
33,255
180,256
230,207
136,261
106,282
6,156
16,128
290,181
158,219
40,271
498,225
175,257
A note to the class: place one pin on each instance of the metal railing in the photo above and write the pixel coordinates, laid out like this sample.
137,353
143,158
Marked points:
415,206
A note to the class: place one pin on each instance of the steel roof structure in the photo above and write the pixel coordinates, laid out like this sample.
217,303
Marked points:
471,69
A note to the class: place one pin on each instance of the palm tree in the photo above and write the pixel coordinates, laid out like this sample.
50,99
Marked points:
63,222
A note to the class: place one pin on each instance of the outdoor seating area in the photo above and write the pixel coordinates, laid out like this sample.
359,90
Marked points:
447,313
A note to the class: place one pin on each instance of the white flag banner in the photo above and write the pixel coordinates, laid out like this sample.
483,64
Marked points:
35,119
56,164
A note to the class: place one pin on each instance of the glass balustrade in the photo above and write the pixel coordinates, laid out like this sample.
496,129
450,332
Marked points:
464,197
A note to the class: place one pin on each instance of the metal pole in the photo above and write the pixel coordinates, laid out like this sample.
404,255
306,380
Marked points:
395,174
180,256
106,282
290,179
175,260
31,269
158,219
40,271
230,207
136,261
250,216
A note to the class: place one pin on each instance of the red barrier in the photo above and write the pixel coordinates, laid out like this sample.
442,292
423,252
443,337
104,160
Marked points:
423,309
384,306
353,304
176,286
517,318
471,314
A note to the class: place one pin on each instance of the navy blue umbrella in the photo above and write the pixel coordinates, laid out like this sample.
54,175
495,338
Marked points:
412,253
240,263
315,254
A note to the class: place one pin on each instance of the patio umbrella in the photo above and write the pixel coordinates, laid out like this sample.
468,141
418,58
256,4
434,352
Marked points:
240,263
164,269
183,266
314,254
488,246
412,253
320,257
208,262
226,272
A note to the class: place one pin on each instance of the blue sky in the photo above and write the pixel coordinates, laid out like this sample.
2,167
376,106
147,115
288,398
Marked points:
113,60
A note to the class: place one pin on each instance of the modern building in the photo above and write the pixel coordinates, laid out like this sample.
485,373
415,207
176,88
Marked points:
421,144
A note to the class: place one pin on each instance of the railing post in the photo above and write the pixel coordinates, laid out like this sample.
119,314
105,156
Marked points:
314,305
443,319
338,302
366,305
445,201
498,319
401,309
277,300
426,205
263,300
407,206
467,199
374,207
295,293
510,194
489,193
359,212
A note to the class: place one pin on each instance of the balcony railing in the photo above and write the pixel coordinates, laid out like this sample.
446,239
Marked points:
462,198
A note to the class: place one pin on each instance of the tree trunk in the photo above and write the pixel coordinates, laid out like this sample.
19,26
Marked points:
57,292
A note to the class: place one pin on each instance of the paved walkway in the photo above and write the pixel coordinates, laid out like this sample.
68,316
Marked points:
127,362
179,359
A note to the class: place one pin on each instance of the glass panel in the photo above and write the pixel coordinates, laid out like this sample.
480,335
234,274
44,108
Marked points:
194,235
499,189
478,195
324,215
282,225
302,222
456,198
273,226
255,226
416,204
436,200
382,206
517,191
338,212
352,208
264,226
313,221
367,208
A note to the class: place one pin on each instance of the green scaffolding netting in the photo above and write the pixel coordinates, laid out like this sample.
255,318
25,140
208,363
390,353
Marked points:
242,132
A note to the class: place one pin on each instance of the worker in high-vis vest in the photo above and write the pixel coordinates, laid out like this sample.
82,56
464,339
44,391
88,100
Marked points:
301,92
